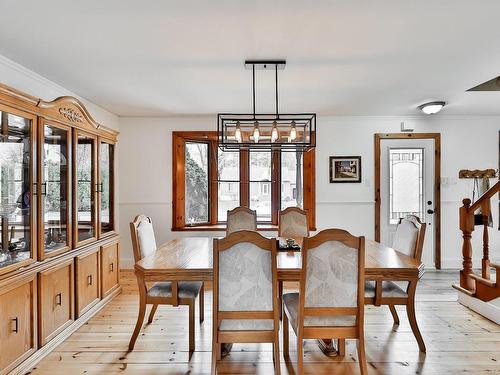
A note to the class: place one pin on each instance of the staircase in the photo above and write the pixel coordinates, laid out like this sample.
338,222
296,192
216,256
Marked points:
474,285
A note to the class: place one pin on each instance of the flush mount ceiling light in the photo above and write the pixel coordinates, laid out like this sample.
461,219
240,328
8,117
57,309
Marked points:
285,132
432,108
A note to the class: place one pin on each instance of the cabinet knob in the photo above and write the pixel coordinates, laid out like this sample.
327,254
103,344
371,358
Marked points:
111,267
16,325
89,280
58,299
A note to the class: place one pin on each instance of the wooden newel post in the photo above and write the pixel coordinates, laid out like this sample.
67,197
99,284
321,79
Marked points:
485,263
467,227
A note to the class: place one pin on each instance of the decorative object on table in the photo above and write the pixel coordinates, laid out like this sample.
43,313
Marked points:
288,244
285,132
345,169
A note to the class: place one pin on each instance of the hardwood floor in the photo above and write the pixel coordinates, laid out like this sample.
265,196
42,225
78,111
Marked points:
458,341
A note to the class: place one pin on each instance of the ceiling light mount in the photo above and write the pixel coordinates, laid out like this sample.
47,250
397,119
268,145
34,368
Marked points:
432,108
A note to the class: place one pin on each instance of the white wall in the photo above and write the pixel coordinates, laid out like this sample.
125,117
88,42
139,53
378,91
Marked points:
145,172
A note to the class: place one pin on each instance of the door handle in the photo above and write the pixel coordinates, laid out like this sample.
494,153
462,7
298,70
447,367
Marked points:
89,280
430,212
59,299
16,325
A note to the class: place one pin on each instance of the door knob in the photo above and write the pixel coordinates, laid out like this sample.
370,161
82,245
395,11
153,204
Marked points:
430,212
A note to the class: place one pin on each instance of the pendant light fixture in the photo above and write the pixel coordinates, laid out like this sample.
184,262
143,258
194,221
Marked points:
263,130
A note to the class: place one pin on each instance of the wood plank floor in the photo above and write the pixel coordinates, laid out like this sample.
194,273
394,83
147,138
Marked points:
458,341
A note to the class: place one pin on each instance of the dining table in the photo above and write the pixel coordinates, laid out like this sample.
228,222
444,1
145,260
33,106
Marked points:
190,259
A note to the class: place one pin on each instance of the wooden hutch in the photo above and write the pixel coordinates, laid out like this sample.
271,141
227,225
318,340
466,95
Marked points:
59,249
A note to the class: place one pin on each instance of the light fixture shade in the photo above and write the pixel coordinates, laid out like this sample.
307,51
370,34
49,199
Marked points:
266,131
237,133
274,132
432,108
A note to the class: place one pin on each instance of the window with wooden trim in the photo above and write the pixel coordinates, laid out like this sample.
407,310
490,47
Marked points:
207,182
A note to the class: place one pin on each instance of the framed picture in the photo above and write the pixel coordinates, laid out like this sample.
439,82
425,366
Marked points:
345,169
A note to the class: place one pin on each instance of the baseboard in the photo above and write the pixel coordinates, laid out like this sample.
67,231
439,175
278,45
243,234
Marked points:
42,352
490,310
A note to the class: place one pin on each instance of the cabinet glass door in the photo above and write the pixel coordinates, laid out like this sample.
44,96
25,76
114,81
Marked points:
85,186
16,195
54,188
106,187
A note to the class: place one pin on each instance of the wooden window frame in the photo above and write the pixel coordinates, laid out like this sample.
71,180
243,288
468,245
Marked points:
179,139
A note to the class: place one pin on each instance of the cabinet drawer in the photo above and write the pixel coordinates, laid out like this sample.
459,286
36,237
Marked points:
17,322
56,300
109,268
88,290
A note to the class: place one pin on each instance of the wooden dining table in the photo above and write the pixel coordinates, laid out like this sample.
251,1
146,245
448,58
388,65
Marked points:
190,259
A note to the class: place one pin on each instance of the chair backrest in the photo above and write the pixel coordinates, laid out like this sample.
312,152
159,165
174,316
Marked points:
241,218
293,223
143,237
409,236
332,280
245,277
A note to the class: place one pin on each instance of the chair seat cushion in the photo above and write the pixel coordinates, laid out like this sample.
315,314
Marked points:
389,289
185,289
291,302
246,325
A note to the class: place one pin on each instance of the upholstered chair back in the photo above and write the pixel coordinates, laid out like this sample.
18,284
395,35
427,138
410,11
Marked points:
241,218
409,236
293,223
333,263
143,237
245,273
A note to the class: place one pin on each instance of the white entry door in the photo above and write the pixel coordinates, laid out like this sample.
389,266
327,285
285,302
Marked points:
407,188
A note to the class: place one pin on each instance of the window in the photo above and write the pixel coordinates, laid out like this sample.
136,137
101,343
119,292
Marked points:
405,183
196,183
207,182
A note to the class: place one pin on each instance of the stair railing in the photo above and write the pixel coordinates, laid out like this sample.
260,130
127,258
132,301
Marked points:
467,212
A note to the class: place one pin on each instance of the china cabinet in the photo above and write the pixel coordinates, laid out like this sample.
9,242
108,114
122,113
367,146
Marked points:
59,247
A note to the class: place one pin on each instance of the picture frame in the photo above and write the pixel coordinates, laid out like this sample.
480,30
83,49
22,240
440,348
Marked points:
345,169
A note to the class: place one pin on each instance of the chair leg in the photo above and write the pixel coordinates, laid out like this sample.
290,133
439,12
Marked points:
152,313
218,349
362,357
140,318
300,356
276,355
286,330
202,303
341,347
410,310
191,327
214,354
394,313
280,299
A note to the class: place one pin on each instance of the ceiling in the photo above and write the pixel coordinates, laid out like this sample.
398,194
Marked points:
155,58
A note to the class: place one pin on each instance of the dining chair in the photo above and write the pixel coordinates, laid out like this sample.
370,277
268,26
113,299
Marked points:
241,218
164,292
330,301
245,302
293,223
409,240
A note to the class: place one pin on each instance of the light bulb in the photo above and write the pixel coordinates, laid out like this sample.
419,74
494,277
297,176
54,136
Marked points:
274,133
293,131
237,132
256,132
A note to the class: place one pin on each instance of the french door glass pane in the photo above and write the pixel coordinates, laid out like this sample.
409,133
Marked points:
260,184
196,183
106,169
405,183
291,179
228,193
85,197
15,182
55,187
